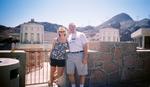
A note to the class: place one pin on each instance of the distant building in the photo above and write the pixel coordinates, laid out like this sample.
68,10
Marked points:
32,40
31,35
107,35
142,37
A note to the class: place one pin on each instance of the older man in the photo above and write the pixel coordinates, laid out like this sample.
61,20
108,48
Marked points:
77,56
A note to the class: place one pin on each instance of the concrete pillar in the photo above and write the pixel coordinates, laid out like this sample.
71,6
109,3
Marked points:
9,74
143,41
21,56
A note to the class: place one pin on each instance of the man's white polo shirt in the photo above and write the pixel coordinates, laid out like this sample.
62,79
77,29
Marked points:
76,41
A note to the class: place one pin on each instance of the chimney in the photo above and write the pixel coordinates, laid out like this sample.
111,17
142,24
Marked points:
32,20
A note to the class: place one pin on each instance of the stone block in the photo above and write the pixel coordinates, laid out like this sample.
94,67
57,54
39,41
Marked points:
98,78
117,58
105,57
133,60
110,67
131,74
114,77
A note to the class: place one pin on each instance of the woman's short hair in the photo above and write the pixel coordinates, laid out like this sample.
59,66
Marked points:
62,29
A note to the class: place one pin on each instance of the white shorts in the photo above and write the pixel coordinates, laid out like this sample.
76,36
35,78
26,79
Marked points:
74,60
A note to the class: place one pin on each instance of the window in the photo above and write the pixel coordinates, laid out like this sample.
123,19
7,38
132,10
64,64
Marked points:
109,38
114,38
21,37
26,28
117,39
26,37
38,28
103,38
32,38
38,38
32,28
104,33
114,33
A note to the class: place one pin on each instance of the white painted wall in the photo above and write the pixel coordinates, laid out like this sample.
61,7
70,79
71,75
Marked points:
107,35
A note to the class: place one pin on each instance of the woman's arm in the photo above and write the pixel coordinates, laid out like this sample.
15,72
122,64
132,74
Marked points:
53,44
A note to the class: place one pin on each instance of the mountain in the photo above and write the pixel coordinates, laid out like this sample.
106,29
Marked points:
145,23
4,31
120,18
116,21
123,22
50,27
5,35
3,28
88,30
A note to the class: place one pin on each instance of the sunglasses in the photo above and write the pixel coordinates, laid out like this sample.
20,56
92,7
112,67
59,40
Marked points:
61,31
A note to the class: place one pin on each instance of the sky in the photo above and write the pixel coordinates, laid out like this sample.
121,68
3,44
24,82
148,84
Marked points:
81,12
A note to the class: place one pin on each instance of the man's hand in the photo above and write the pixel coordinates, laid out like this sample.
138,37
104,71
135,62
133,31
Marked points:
84,61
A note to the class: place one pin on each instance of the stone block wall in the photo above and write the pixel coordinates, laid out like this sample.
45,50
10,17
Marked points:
117,64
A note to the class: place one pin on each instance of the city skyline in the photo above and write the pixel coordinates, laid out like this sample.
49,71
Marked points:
81,12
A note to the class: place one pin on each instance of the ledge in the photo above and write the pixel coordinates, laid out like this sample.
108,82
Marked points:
10,51
143,50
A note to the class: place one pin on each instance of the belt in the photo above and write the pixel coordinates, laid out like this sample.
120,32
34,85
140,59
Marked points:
76,52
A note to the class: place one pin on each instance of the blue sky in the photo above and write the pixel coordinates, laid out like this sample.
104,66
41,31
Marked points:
81,12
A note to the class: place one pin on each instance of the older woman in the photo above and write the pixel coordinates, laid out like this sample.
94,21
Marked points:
57,57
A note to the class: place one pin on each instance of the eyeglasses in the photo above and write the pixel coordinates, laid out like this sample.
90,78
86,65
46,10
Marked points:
61,31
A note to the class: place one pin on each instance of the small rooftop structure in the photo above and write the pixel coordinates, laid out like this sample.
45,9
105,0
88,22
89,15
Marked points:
142,37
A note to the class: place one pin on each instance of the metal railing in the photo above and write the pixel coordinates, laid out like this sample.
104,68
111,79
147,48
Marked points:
37,67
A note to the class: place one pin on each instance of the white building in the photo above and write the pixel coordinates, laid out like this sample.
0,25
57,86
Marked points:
107,35
31,35
142,37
